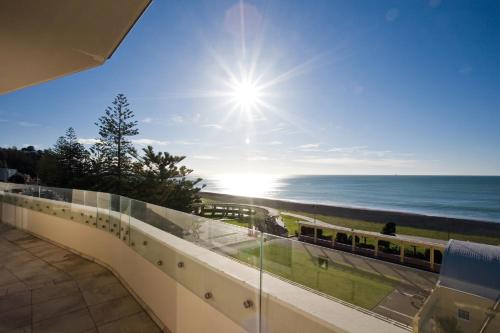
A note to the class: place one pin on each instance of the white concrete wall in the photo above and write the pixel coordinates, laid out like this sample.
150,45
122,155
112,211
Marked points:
176,307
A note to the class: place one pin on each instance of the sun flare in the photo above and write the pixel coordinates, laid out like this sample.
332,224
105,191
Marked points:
245,94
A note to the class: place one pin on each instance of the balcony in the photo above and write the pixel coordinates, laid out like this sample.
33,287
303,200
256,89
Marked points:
178,264
195,274
45,288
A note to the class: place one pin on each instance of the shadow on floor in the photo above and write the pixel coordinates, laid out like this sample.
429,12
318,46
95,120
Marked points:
44,288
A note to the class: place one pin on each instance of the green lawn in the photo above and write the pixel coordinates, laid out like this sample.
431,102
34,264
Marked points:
290,224
351,285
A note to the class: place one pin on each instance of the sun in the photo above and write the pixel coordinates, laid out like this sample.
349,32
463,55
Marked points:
245,94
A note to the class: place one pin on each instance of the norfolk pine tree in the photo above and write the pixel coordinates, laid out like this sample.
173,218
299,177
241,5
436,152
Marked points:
114,148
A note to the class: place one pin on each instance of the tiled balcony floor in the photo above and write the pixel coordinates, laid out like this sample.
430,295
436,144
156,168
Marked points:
44,288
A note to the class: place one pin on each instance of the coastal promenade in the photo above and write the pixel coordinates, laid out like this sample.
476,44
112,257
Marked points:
320,223
465,229
312,230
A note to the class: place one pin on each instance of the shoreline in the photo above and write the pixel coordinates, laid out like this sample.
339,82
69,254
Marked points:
415,220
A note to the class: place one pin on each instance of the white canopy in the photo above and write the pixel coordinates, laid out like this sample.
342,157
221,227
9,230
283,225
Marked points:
43,40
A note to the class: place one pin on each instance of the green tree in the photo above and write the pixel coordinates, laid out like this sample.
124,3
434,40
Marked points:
67,163
161,181
25,160
114,151
48,171
389,229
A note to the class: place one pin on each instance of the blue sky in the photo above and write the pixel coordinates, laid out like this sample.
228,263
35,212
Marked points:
346,87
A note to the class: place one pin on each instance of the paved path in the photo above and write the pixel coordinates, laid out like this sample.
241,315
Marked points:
44,288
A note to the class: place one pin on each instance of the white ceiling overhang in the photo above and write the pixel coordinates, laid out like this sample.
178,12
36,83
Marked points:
44,40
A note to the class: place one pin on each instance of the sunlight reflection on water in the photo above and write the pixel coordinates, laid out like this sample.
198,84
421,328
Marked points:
250,185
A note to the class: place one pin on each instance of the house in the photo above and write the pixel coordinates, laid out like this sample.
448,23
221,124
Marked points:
467,295
6,173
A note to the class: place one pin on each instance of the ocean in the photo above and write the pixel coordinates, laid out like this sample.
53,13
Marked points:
470,197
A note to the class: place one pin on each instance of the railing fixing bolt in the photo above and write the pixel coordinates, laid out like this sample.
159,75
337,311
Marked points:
159,262
247,304
133,244
145,243
180,264
208,295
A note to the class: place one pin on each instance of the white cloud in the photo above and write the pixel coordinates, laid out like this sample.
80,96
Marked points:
352,149
147,120
84,141
148,142
177,119
196,118
379,153
258,117
258,158
309,147
183,142
275,143
392,15
27,124
215,126
359,150
358,162
205,157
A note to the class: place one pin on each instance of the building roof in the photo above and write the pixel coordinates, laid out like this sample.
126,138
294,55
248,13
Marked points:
44,40
472,268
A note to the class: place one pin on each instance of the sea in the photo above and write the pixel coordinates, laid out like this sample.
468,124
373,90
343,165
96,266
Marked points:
469,197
